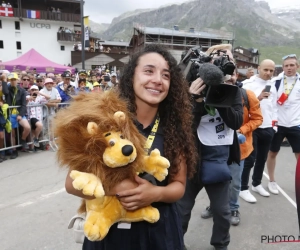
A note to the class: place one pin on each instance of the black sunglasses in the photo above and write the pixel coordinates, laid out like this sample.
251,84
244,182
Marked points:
25,79
39,81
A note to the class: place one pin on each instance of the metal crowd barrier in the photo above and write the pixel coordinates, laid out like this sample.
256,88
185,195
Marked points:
52,137
46,136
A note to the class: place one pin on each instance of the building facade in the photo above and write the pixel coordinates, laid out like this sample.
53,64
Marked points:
35,24
176,40
246,58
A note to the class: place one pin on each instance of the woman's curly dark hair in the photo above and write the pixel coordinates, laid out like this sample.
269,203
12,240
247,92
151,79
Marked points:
175,110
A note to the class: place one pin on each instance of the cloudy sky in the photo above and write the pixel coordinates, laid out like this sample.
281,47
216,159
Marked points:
108,9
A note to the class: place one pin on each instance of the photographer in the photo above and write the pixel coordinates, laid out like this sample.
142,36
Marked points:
65,89
35,113
104,83
218,146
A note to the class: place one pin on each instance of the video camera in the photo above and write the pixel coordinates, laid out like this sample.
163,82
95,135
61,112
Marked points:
212,69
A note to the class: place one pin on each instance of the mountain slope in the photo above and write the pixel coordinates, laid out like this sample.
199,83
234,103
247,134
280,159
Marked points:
252,22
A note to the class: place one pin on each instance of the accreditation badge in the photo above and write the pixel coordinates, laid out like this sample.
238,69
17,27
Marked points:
282,99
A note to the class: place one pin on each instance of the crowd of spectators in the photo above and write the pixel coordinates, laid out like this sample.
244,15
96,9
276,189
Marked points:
29,101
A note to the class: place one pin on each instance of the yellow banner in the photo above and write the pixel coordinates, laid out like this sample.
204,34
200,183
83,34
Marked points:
86,21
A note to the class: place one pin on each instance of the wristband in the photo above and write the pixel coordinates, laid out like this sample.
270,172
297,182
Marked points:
274,123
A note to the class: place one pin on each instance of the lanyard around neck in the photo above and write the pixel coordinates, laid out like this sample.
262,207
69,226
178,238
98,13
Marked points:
152,134
287,90
14,98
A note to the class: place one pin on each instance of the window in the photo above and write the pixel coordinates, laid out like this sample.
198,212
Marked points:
19,47
0,24
17,25
62,48
1,45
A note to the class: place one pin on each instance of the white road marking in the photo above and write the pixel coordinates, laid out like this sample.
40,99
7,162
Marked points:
284,193
42,197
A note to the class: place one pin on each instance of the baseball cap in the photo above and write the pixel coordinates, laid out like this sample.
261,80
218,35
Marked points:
113,74
12,76
48,80
34,87
82,72
66,75
96,84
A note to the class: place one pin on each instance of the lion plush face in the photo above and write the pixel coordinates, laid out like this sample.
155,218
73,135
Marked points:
120,151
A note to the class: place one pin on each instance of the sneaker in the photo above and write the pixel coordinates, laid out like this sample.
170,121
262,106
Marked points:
272,186
14,154
259,189
247,196
207,213
235,218
3,157
24,145
36,142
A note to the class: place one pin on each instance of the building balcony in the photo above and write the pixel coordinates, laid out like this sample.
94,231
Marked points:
49,15
68,37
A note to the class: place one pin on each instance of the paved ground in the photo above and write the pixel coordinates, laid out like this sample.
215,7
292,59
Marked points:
35,209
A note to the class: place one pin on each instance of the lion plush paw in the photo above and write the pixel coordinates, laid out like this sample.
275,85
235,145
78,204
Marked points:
157,165
96,226
88,183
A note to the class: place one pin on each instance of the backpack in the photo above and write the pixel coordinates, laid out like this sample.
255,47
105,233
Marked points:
4,122
245,98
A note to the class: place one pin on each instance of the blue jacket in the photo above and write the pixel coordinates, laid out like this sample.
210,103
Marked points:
65,95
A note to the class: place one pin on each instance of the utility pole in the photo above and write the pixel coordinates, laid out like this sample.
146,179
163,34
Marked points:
82,34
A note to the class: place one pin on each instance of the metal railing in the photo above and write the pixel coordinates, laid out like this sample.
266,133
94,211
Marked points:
70,37
52,137
12,133
49,15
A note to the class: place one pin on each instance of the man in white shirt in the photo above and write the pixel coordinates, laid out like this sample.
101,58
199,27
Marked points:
52,95
265,91
288,103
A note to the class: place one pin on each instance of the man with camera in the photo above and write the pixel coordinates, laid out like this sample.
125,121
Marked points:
217,143
65,89
104,83
287,87
265,91
35,113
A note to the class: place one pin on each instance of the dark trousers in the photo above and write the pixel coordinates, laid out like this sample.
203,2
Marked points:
219,201
262,138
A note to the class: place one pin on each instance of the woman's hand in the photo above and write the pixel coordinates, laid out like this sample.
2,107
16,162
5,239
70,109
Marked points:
141,196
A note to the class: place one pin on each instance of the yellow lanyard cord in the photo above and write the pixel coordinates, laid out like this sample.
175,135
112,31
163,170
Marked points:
151,136
287,90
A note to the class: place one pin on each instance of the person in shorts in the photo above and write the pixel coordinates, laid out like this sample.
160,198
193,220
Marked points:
288,103
35,112
16,96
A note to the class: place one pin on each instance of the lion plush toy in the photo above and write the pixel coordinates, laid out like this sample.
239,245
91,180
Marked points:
101,146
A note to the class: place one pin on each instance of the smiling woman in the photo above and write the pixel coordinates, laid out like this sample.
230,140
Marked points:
158,96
